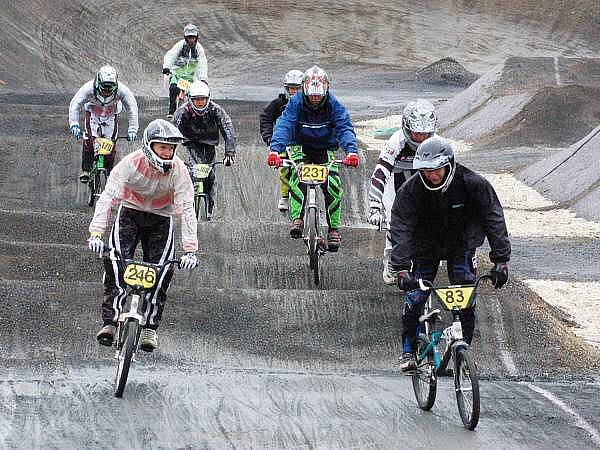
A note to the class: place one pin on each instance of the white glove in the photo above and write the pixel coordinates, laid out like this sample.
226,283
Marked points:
188,261
375,216
228,160
96,244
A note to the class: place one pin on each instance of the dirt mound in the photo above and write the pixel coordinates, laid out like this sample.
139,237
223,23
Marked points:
570,177
526,101
555,116
446,71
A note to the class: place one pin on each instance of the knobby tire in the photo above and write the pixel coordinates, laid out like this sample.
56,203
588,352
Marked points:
424,380
126,356
313,243
467,397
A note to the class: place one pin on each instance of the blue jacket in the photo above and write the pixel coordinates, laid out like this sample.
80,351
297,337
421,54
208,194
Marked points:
327,127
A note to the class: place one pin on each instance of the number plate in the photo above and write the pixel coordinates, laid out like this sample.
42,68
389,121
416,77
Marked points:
313,172
140,275
201,170
455,297
103,146
183,84
457,333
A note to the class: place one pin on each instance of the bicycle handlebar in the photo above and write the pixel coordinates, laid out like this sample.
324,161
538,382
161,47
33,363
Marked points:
114,255
286,162
426,285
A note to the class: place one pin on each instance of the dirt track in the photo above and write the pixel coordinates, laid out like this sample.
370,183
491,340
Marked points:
251,354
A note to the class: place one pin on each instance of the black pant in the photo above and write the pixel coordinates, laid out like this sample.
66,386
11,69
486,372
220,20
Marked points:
173,93
205,154
156,235
461,270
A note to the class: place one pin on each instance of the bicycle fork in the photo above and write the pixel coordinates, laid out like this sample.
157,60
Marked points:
133,314
312,208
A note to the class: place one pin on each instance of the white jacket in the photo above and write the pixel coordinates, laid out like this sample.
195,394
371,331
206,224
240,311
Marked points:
172,60
137,185
85,97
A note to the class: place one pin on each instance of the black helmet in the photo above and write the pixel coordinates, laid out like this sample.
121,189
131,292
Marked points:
435,153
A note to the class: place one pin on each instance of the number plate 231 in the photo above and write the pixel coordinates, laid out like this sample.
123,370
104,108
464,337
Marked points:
139,275
313,172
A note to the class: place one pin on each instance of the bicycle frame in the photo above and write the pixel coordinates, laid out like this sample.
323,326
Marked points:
316,244
452,335
431,364
199,175
99,173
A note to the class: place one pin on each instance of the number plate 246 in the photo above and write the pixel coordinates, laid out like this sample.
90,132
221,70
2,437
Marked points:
140,275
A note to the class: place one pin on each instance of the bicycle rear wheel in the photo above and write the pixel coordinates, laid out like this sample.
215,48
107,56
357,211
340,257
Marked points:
424,380
129,340
466,383
313,243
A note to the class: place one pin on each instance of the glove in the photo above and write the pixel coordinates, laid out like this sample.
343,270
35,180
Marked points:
131,136
75,131
351,160
499,274
406,281
375,216
274,160
166,71
95,243
188,261
228,160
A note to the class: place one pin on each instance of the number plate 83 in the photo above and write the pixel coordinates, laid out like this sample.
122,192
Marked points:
313,172
455,297
139,275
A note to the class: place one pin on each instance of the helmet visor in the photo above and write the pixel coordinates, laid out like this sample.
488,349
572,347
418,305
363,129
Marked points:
107,88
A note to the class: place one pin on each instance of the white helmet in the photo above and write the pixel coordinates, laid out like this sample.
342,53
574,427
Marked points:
292,79
159,130
435,153
199,89
418,117
190,30
106,84
315,82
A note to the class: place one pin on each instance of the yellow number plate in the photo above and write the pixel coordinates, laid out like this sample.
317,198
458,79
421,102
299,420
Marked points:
201,170
455,297
139,275
313,172
183,84
103,146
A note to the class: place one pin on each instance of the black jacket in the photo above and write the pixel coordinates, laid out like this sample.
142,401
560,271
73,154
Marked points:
205,129
435,225
269,115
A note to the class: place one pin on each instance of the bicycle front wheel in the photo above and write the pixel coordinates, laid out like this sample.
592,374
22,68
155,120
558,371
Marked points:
92,190
100,182
198,206
424,380
313,243
126,356
466,383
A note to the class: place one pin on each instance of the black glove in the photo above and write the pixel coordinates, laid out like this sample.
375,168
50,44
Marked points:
406,281
499,274
166,71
